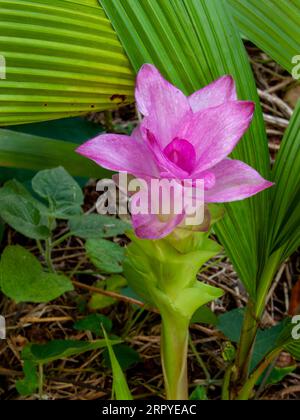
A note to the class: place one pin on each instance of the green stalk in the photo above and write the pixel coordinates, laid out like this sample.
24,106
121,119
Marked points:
48,252
174,348
41,381
246,391
253,315
226,384
247,340
61,239
266,282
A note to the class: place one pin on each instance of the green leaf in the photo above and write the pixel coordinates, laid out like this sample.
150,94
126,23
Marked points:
22,212
63,59
30,383
230,324
61,191
199,394
95,226
279,336
194,42
61,349
113,284
94,324
22,278
2,228
228,352
126,356
289,338
272,25
40,146
204,315
278,374
285,222
120,386
105,255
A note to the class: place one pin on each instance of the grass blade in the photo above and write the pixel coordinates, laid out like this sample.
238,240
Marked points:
120,386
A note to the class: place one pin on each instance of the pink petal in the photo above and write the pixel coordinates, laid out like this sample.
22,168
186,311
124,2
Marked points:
235,181
182,154
215,132
163,105
147,223
168,169
151,227
214,94
120,153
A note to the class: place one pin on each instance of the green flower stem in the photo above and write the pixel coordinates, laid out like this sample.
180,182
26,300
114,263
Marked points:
174,348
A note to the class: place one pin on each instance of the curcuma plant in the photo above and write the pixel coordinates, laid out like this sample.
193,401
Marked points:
69,58
179,139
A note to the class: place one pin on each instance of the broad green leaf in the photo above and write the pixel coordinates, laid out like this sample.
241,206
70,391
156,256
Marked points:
289,338
120,386
285,222
41,146
95,226
94,324
278,374
194,42
278,337
113,283
62,59
60,190
30,383
231,323
272,25
105,255
265,342
204,315
22,278
22,212
126,356
61,349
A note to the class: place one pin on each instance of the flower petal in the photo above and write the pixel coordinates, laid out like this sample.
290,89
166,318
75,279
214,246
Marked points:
215,132
163,105
214,94
157,211
168,169
149,226
235,181
182,154
120,153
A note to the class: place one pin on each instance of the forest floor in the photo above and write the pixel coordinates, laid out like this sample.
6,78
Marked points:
88,376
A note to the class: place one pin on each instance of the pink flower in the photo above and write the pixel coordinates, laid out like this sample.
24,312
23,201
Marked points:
182,138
